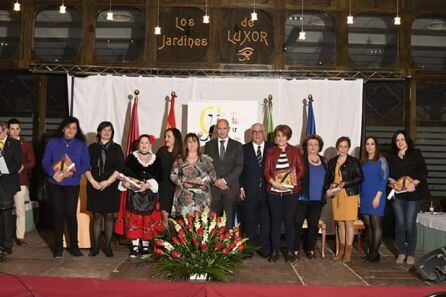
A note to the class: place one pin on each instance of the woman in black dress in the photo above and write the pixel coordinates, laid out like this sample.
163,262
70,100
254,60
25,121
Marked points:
106,160
167,154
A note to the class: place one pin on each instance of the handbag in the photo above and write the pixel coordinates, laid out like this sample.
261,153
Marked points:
142,203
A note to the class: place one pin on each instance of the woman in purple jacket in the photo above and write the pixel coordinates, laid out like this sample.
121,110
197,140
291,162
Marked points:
65,160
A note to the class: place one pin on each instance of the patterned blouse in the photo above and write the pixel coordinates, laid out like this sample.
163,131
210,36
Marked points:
197,197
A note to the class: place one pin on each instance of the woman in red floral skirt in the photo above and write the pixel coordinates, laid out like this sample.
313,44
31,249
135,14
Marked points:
139,217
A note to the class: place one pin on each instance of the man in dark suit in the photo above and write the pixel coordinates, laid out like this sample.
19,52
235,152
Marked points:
227,155
253,193
11,159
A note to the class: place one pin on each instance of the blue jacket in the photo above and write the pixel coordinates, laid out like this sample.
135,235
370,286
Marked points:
76,150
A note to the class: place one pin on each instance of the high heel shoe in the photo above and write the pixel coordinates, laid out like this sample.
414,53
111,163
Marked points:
290,257
274,257
108,251
94,251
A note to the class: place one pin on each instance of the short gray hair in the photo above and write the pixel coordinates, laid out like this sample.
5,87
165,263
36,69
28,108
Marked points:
3,125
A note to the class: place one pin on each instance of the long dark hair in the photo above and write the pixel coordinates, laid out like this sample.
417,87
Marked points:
186,151
365,155
178,144
101,127
65,123
394,149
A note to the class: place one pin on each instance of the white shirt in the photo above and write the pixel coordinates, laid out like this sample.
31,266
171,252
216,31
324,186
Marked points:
225,144
256,146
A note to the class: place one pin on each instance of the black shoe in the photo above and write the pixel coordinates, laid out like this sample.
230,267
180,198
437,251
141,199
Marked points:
248,255
274,257
311,255
3,256
94,251
145,250
374,258
290,257
108,251
8,250
76,252
134,252
58,253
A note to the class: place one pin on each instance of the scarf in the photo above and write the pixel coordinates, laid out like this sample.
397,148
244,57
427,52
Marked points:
102,159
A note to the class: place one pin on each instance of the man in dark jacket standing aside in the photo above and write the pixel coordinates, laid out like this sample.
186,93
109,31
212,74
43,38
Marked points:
253,193
10,164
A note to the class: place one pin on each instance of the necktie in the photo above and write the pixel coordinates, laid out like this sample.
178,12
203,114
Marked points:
259,156
2,144
222,149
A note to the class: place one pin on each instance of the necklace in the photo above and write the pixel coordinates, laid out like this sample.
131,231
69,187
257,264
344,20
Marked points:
314,161
68,143
144,154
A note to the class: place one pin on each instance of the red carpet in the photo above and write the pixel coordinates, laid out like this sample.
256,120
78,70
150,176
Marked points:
24,286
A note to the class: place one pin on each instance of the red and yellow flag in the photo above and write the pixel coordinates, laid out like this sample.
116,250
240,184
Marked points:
171,123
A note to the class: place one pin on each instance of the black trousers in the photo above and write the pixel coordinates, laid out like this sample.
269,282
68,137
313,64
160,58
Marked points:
283,208
312,212
257,220
64,200
225,201
7,222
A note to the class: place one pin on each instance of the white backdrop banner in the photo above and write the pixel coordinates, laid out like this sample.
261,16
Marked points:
337,104
201,116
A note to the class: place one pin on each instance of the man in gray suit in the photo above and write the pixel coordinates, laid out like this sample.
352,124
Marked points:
227,155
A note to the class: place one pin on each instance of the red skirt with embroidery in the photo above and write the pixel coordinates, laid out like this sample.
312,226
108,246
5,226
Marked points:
135,226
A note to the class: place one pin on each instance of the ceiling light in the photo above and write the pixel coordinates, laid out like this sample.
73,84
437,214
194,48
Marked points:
16,6
62,8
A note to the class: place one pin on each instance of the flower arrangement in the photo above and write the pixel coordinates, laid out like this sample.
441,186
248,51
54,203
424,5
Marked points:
198,245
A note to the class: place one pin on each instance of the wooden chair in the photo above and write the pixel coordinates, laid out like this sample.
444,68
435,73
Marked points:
323,228
359,226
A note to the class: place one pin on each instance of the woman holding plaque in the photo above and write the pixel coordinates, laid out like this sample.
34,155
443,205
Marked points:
373,194
140,216
192,174
408,175
283,171
342,181
65,160
106,161
173,146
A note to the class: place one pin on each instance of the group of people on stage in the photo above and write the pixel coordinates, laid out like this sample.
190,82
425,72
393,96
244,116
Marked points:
275,181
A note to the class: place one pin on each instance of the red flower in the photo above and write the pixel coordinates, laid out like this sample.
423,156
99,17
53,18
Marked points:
203,247
159,242
189,227
175,254
238,238
158,251
190,218
232,245
228,235
200,231
180,222
241,247
182,240
213,214
218,246
196,213
214,231
175,240
181,232
196,242
222,229
152,139
221,237
237,229
224,251
218,219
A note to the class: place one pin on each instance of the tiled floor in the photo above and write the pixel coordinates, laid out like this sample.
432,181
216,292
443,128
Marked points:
36,259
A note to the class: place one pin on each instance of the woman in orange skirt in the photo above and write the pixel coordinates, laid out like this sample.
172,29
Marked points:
343,178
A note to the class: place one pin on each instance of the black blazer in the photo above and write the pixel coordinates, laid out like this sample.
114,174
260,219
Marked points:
252,179
12,152
412,165
306,179
351,174
231,166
